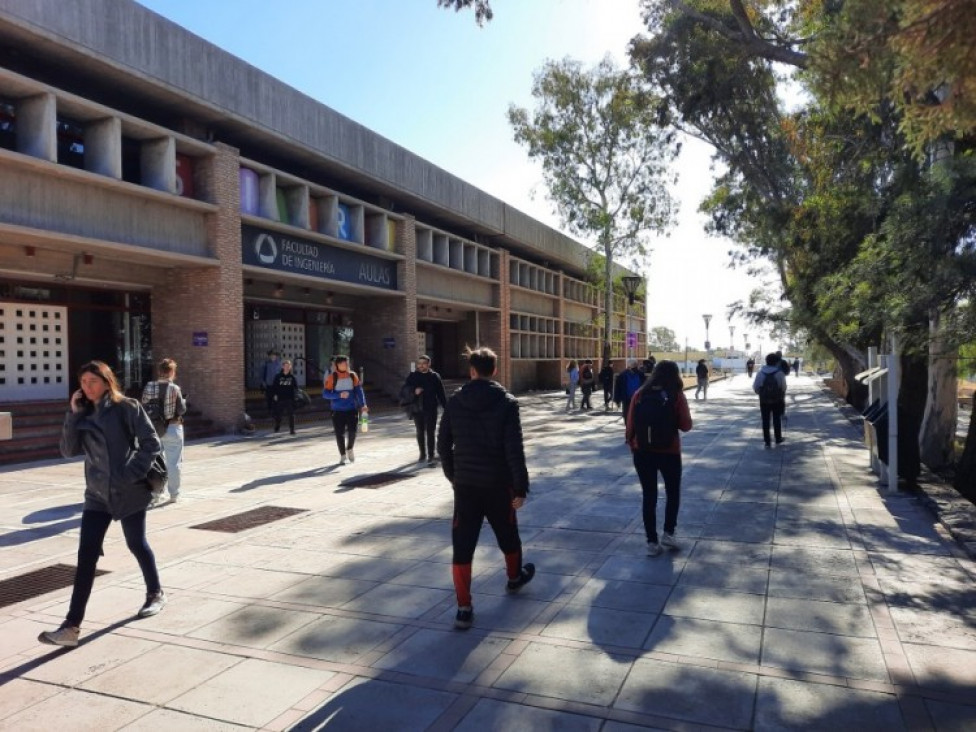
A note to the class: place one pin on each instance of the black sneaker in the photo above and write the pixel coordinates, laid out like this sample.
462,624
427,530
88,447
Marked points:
154,603
525,576
464,618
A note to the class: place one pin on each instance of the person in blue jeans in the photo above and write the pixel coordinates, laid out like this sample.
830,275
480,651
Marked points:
119,443
343,390
174,407
572,372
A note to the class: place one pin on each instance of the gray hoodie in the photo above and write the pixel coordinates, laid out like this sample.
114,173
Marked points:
777,373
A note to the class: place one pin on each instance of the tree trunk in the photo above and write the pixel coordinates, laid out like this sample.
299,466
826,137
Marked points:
936,439
607,301
965,481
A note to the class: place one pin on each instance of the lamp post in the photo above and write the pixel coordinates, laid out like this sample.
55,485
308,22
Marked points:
745,344
631,285
707,319
732,338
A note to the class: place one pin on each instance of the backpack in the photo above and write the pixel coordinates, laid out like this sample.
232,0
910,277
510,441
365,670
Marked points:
770,391
586,375
156,409
655,420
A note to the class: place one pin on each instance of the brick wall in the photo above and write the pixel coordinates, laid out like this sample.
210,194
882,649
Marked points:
208,300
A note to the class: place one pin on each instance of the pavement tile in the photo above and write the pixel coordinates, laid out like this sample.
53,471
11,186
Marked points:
697,638
161,675
93,656
662,570
500,716
783,705
622,595
790,583
813,560
681,691
325,591
587,676
937,667
600,625
724,576
715,604
252,693
21,694
403,708
732,552
444,654
254,626
823,653
185,613
949,717
824,617
339,639
167,719
76,710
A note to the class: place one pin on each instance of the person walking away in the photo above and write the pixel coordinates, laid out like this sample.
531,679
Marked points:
626,385
483,457
783,363
750,366
345,393
587,383
119,444
283,389
606,380
165,398
770,385
572,372
659,410
796,366
270,369
428,391
701,371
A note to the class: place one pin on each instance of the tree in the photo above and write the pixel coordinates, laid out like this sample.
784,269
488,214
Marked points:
482,8
605,159
662,339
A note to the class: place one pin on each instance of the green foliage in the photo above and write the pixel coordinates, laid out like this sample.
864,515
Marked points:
661,338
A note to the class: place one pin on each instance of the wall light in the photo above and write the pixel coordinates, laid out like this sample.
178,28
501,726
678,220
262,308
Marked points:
88,258
279,289
30,251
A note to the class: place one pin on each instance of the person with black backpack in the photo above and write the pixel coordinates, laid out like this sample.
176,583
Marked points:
165,404
770,385
587,383
658,411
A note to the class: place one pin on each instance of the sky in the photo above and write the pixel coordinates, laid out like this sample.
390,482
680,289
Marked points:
364,58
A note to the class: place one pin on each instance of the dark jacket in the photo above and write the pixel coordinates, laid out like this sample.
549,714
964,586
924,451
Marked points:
780,377
701,371
115,468
433,390
480,440
606,376
284,387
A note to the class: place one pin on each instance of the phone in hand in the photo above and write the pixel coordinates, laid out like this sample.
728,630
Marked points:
81,400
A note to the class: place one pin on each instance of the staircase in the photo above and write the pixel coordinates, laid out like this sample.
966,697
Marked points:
37,430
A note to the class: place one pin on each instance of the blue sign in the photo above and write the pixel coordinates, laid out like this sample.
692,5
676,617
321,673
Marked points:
284,253
345,222
200,338
631,339
389,342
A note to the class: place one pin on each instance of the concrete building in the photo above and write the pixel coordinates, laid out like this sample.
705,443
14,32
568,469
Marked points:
159,197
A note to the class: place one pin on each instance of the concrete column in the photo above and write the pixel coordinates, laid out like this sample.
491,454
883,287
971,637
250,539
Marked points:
103,147
158,162
268,196
37,128
297,199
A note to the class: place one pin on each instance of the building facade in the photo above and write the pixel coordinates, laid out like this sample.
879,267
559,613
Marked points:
166,199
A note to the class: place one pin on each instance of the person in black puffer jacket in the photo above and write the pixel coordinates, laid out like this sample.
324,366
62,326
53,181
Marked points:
283,390
480,445
119,443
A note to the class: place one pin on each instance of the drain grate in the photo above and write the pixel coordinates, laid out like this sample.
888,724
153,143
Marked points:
249,519
376,480
37,583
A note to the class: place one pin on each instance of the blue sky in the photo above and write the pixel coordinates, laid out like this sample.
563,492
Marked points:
365,58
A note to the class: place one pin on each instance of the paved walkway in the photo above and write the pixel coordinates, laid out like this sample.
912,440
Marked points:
802,598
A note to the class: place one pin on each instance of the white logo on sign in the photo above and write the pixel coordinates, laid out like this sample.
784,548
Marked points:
266,255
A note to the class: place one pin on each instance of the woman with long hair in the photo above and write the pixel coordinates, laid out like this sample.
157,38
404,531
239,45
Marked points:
660,405
119,443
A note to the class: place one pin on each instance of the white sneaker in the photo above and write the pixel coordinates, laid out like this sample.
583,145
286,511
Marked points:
352,455
343,460
653,549
669,541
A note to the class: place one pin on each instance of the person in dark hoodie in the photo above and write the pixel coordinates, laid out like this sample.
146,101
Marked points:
283,388
626,385
119,443
427,390
480,445
606,380
770,385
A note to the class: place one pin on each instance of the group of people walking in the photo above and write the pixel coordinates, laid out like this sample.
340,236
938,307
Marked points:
479,442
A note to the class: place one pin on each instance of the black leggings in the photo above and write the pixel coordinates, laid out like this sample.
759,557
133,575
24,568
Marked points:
470,511
648,464
94,524
426,423
343,422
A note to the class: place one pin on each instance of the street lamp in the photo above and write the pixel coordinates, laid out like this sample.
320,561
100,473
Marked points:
631,285
745,344
731,337
707,319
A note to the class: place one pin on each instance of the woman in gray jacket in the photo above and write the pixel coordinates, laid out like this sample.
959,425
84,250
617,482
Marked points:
119,443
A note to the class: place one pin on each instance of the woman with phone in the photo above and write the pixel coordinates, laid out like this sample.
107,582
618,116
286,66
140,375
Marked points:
119,443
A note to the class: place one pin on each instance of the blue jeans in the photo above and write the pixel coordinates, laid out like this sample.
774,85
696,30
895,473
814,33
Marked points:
173,454
94,524
648,465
